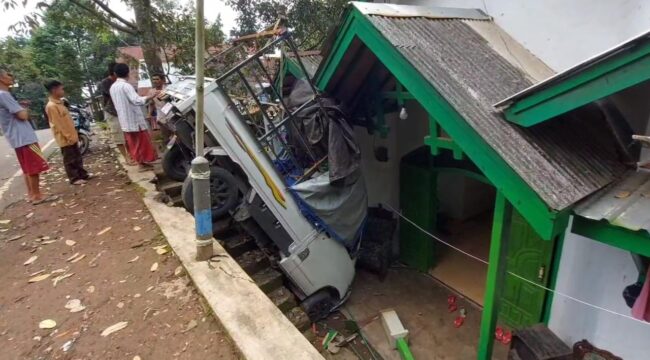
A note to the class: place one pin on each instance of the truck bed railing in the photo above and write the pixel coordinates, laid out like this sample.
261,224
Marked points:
274,123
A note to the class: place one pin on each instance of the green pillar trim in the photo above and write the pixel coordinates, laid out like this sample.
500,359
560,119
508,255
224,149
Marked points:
613,75
637,242
555,270
496,275
495,168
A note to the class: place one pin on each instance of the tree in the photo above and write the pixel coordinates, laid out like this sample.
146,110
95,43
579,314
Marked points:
177,34
68,46
143,27
15,54
310,20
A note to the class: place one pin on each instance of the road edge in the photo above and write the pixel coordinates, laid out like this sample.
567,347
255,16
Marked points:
257,327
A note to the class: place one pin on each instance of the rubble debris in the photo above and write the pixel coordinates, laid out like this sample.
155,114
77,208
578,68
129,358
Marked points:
75,306
104,231
114,328
47,324
30,260
38,278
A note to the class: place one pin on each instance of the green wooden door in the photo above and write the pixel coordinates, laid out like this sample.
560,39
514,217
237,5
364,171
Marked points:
418,201
530,257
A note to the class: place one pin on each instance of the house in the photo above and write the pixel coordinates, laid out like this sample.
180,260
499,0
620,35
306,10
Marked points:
529,174
139,76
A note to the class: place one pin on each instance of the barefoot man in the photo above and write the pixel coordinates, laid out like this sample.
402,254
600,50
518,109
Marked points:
129,112
65,133
110,115
14,120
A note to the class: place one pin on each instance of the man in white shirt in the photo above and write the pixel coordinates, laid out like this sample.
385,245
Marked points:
128,105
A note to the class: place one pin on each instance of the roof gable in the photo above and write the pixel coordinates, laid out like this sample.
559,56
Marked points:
457,76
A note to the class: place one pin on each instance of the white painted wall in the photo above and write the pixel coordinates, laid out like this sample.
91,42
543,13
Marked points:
562,33
597,273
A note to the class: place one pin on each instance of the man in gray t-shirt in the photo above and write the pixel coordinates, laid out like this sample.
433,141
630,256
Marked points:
14,121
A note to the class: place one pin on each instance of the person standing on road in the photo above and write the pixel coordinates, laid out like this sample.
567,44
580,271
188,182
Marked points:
65,133
14,121
110,114
128,105
158,82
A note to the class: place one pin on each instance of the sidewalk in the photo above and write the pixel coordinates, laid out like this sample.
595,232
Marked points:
97,259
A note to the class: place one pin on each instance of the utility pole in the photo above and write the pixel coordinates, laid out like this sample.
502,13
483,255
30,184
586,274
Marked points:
200,167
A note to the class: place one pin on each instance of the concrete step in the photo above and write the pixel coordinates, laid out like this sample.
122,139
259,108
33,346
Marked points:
299,318
283,299
177,200
222,228
253,261
268,280
169,187
158,171
238,244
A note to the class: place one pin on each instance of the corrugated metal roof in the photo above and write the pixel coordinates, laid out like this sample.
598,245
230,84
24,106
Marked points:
310,59
580,67
562,161
625,203
431,12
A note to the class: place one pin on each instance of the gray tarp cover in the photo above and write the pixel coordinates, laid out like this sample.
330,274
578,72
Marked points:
342,208
337,198
327,134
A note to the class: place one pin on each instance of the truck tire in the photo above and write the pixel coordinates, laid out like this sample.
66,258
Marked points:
174,164
320,304
224,192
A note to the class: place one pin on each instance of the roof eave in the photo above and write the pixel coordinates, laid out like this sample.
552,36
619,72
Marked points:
600,77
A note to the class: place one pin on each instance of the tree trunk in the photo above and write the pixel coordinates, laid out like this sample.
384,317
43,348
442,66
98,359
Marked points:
144,20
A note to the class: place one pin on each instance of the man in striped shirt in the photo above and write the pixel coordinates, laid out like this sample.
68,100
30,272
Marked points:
128,105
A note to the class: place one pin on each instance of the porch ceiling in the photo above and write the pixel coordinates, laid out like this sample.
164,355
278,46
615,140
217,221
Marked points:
562,162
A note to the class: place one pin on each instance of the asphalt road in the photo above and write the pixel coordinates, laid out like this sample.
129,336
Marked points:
12,187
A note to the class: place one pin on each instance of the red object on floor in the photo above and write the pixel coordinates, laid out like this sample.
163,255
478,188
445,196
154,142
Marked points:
507,338
140,147
459,321
498,334
451,299
31,159
453,307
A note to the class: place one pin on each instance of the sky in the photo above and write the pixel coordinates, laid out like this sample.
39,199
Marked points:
212,9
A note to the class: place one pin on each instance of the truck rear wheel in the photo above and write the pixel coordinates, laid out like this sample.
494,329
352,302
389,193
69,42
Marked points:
224,192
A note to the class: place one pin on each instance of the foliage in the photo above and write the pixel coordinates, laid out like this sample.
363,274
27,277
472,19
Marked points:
67,46
15,55
310,20
177,33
